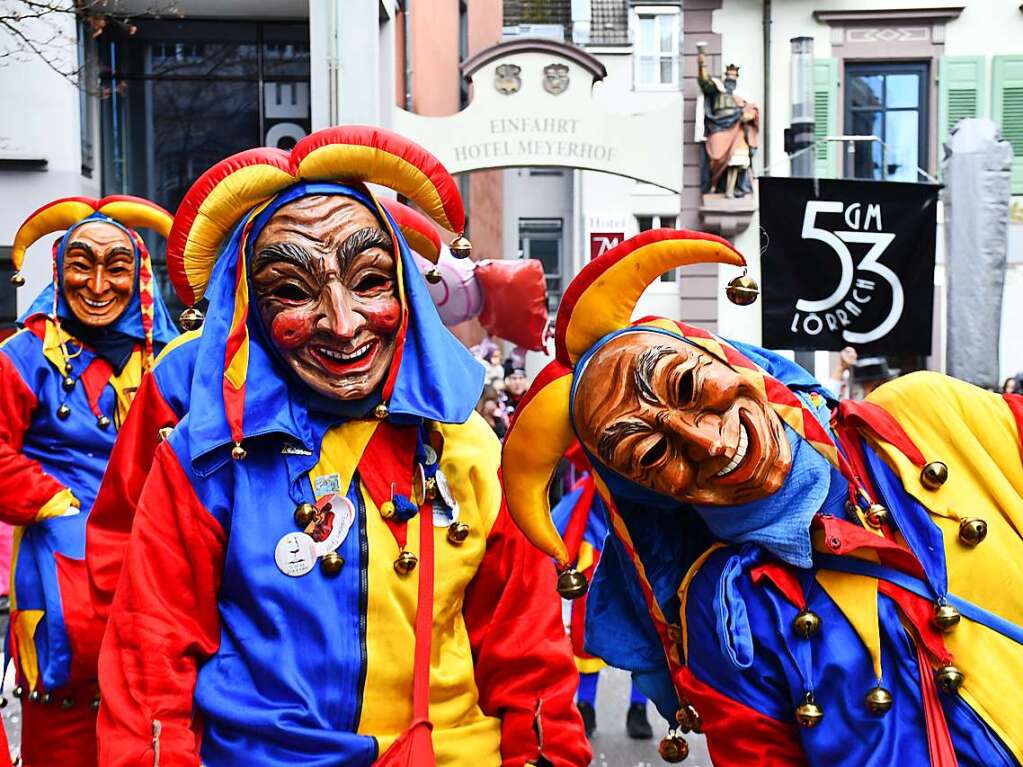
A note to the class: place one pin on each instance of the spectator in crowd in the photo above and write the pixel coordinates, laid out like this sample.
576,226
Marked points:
489,407
515,385
839,382
495,370
1010,386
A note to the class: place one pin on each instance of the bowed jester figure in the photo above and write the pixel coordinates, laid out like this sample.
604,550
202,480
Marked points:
806,582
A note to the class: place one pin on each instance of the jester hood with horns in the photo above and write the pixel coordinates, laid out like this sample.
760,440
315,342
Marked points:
802,580
325,578
67,378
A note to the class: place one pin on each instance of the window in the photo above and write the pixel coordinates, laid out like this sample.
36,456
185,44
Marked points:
1007,110
8,294
656,52
87,86
540,238
646,223
887,100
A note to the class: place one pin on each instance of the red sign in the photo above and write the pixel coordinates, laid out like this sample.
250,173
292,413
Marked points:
602,242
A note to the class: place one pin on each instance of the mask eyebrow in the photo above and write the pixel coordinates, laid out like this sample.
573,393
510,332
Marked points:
79,245
288,252
364,239
614,434
643,375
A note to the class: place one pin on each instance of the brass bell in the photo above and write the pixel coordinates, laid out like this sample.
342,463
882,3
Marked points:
689,719
876,515
742,290
945,616
331,563
47,699
191,319
68,367
433,275
3,702
972,531
879,701
67,703
63,412
164,433
95,703
460,247
806,624
851,509
387,509
17,279
673,749
68,383
380,411
458,532
238,452
934,475
304,514
405,563
35,696
572,584
809,714
674,632
949,678
431,489
103,422
18,692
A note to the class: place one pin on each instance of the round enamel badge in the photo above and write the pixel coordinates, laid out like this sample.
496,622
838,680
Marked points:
295,554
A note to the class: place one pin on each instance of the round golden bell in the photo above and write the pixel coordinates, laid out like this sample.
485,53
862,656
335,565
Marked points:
238,452
460,247
67,703
879,701
47,699
405,563
949,678
972,531
876,515
572,584
673,749
387,509
103,422
304,514
3,702
17,279
191,319
806,624
35,696
331,563
689,719
742,290
458,532
18,692
934,475
809,714
380,411
164,433
95,703
68,367
945,616
431,489
68,383
433,276
63,412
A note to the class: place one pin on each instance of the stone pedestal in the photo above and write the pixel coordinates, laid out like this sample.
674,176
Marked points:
726,216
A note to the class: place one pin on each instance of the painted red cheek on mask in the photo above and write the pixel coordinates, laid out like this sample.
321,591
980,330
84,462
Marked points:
290,330
383,317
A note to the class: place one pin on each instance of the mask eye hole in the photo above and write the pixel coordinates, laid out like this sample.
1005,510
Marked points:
656,452
290,293
686,388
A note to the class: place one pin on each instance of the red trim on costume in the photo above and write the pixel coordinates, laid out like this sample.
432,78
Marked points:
385,469
842,537
94,379
576,527
919,612
873,418
737,735
783,578
552,371
939,740
1015,403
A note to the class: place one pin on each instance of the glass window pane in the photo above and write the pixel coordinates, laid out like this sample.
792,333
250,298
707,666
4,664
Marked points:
902,91
667,36
667,70
645,223
646,37
867,154
668,222
548,252
902,140
866,91
286,50
646,70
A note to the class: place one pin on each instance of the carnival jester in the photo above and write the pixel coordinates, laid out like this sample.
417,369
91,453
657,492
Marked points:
67,378
322,570
806,582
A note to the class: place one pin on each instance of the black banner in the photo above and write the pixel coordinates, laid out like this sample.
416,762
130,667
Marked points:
848,263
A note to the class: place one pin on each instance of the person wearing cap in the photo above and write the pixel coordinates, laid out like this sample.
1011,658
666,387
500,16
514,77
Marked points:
321,569
804,581
67,378
515,385
161,401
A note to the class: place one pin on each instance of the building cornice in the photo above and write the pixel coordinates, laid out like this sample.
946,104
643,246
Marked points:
941,14
534,45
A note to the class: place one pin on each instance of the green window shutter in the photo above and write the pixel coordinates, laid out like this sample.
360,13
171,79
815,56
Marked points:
825,114
1007,109
961,90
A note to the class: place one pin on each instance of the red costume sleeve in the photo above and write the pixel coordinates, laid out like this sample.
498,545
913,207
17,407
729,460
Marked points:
524,666
163,625
24,487
112,514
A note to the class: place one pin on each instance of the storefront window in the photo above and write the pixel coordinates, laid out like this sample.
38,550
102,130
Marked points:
540,238
181,95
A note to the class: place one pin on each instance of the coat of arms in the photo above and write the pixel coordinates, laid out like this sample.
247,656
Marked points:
507,80
555,78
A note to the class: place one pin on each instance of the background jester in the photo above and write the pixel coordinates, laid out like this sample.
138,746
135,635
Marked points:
66,381
804,582
322,569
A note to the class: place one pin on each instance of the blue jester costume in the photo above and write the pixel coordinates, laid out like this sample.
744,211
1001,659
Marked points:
388,641
867,612
66,388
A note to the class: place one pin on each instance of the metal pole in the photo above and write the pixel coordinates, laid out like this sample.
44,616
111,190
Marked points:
765,121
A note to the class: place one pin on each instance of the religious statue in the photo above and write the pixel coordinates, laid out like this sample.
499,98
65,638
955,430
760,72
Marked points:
731,127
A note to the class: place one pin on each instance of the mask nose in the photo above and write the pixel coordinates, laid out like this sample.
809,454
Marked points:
702,439
97,282
338,317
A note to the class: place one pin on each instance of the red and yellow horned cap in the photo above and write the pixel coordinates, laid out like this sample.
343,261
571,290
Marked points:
419,232
599,301
220,197
62,214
